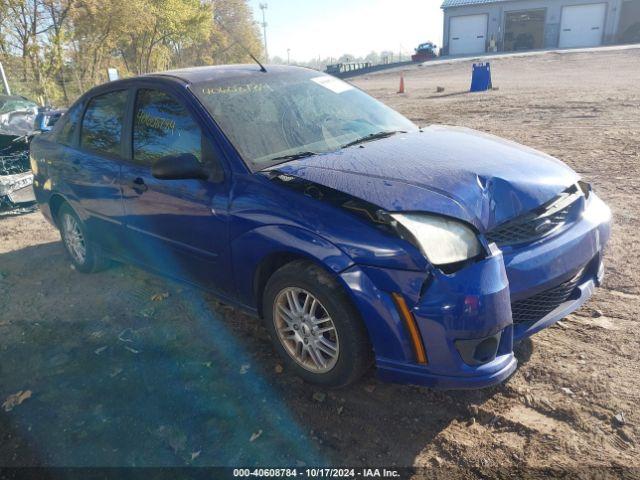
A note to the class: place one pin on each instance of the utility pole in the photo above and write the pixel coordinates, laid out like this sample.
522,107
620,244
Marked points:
4,80
288,56
263,7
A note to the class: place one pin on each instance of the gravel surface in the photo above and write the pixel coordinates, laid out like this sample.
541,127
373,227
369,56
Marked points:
109,371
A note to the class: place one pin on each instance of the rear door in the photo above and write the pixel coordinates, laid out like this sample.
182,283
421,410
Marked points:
582,25
177,227
467,34
94,169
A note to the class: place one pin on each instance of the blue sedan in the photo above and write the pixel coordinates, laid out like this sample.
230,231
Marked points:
357,237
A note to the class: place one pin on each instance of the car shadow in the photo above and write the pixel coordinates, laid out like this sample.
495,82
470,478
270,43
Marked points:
126,368
17,212
446,95
16,450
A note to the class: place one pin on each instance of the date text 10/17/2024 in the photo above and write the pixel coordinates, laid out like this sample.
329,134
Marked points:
316,473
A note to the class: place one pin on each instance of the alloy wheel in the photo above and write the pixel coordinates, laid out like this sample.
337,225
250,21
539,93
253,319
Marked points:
73,238
305,330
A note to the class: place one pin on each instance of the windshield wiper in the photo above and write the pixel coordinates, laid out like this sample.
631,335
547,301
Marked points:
372,136
293,156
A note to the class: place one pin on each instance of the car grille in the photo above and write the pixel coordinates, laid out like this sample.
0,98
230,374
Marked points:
534,308
538,223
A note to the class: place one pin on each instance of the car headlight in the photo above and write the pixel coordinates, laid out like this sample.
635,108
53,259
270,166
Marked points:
441,240
596,211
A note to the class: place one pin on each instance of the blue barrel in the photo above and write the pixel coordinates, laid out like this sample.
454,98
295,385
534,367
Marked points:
480,77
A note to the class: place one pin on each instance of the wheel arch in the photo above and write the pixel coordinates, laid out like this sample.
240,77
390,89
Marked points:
257,254
271,262
55,202
267,267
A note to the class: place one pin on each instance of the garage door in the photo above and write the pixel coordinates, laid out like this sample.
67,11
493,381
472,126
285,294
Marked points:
582,25
467,34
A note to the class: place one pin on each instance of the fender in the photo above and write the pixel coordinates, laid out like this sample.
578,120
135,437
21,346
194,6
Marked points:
380,318
252,247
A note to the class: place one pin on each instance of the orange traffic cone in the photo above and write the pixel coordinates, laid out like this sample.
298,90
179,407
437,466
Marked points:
401,89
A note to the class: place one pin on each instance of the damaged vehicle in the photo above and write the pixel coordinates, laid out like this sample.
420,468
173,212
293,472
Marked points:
16,192
20,120
357,236
17,112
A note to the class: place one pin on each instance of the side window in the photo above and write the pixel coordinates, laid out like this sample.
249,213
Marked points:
162,126
102,122
66,126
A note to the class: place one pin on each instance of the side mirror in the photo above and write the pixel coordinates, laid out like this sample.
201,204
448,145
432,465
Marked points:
179,167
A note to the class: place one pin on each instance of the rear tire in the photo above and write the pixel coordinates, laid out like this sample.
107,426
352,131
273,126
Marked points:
85,256
314,326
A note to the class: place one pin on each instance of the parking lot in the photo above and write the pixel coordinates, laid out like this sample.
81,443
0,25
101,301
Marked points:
126,368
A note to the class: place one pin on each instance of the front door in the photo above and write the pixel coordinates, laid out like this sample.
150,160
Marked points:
177,227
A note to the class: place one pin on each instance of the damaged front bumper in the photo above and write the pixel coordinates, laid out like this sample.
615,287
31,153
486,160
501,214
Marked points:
16,179
16,192
465,318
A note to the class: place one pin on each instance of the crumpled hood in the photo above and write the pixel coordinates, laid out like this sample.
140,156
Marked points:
454,171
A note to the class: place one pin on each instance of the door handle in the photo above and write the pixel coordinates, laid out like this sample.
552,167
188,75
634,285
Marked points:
139,186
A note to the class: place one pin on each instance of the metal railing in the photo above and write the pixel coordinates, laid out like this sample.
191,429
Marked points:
344,70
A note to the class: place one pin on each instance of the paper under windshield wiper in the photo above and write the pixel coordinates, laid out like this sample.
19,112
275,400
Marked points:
373,136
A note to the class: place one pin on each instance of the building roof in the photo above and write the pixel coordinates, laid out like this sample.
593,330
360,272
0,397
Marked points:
462,3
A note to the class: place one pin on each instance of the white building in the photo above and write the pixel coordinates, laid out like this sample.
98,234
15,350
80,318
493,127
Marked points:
478,26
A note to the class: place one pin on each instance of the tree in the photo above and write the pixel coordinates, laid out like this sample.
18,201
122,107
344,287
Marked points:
95,26
372,57
386,56
346,58
56,49
153,28
232,36
57,11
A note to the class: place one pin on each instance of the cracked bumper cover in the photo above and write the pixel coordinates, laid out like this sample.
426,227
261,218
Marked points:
474,304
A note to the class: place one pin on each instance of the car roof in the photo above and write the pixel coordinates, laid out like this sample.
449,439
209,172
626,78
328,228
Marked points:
15,97
198,74
193,75
220,72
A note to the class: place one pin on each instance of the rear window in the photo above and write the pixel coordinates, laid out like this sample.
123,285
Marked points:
102,123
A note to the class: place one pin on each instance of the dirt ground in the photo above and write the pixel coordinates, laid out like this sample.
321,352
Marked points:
120,375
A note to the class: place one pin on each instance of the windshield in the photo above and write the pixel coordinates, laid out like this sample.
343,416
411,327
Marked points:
15,104
279,115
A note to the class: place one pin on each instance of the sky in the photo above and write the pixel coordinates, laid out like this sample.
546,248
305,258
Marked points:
330,28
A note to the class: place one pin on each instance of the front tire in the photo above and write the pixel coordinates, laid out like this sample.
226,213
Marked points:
314,325
84,255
